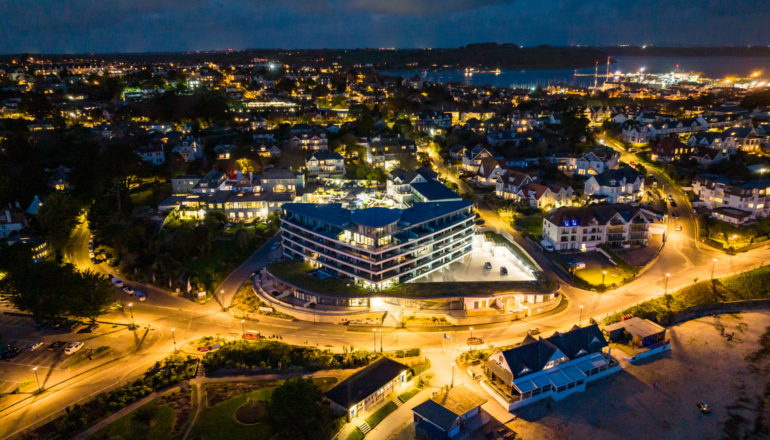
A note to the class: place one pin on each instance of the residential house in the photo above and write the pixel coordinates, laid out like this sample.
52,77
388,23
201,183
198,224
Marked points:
153,154
639,332
472,158
11,221
269,150
623,185
489,171
720,192
585,228
224,151
508,185
190,149
418,186
451,414
281,180
546,196
368,387
670,149
593,162
325,163
315,140
37,245
386,151
553,367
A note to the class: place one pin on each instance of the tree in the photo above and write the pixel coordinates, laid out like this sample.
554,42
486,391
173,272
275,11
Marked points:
58,217
93,297
40,289
297,411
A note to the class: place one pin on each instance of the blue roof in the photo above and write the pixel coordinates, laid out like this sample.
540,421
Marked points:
425,211
437,414
375,217
330,213
433,190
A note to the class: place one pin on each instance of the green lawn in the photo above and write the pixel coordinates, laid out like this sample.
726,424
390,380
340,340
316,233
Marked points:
615,275
356,435
218,421
408,394
375,419
127,428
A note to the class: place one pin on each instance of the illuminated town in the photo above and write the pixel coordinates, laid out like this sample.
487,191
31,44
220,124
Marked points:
486,241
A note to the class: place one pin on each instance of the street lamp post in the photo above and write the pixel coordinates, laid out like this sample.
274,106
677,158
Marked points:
374,339
604,273
667,277
580,320
452,385
471,332
380,340
222,299
243,329
713,266
131,310
173,336
37,380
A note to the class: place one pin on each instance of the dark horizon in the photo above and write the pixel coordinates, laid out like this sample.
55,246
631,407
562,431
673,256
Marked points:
173,26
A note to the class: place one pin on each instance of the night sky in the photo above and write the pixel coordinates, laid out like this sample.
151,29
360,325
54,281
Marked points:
77,26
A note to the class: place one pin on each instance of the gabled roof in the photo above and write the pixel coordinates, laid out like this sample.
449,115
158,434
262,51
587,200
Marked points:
365,382
579,341
623,173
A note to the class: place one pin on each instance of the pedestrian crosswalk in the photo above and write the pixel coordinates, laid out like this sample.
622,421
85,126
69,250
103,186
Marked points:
365,428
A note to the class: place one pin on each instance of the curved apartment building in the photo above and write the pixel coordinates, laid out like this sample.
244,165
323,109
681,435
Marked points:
378,247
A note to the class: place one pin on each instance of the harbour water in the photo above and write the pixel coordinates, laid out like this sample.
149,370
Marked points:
710,67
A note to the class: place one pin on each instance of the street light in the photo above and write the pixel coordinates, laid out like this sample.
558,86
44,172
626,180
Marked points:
374,339
453,376
471,331
173,336
581,315
667,277
243,329
37,380
131,310
222,299
380,340
713,266
604,273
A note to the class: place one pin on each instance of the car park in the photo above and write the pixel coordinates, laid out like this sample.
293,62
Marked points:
73,347
128,289
34,346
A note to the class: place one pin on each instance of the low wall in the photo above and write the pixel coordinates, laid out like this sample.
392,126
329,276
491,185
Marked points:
648,353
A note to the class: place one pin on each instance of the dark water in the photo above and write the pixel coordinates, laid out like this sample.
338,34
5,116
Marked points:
710,67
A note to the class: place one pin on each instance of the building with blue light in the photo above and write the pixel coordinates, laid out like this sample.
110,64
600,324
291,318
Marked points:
377,248
585,228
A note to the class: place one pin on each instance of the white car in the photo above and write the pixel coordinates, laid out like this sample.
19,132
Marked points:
91,255
73,347
140,296
117,283
128,289
547,245
34,346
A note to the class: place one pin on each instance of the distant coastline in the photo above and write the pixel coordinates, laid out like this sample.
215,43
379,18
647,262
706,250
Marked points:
484,56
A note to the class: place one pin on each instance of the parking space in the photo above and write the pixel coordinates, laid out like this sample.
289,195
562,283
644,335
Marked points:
481,265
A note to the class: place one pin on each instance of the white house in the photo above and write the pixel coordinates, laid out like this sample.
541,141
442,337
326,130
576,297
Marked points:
325,163
190,149
623,185
585,228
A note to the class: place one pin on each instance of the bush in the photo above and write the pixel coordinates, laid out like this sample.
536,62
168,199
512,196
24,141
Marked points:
413,352
274,355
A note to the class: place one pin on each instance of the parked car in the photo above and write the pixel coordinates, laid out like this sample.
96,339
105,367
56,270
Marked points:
140,296
533,331
56,345
576,265
675,214
91,255
704,408
678,227
73,347
128,289
251,335
90,328
503,271
673,204
117,283
275,245
670,197
10,352
479,222
34,346
547,245
487,266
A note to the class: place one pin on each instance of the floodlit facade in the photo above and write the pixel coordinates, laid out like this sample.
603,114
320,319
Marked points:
378,247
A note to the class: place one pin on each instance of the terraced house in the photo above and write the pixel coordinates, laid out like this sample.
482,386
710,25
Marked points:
585,228
378,247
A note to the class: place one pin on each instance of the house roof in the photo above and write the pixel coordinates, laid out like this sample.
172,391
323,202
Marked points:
619,175
433,191
437,414
376,217
325,155
365,382
585,215
639,327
